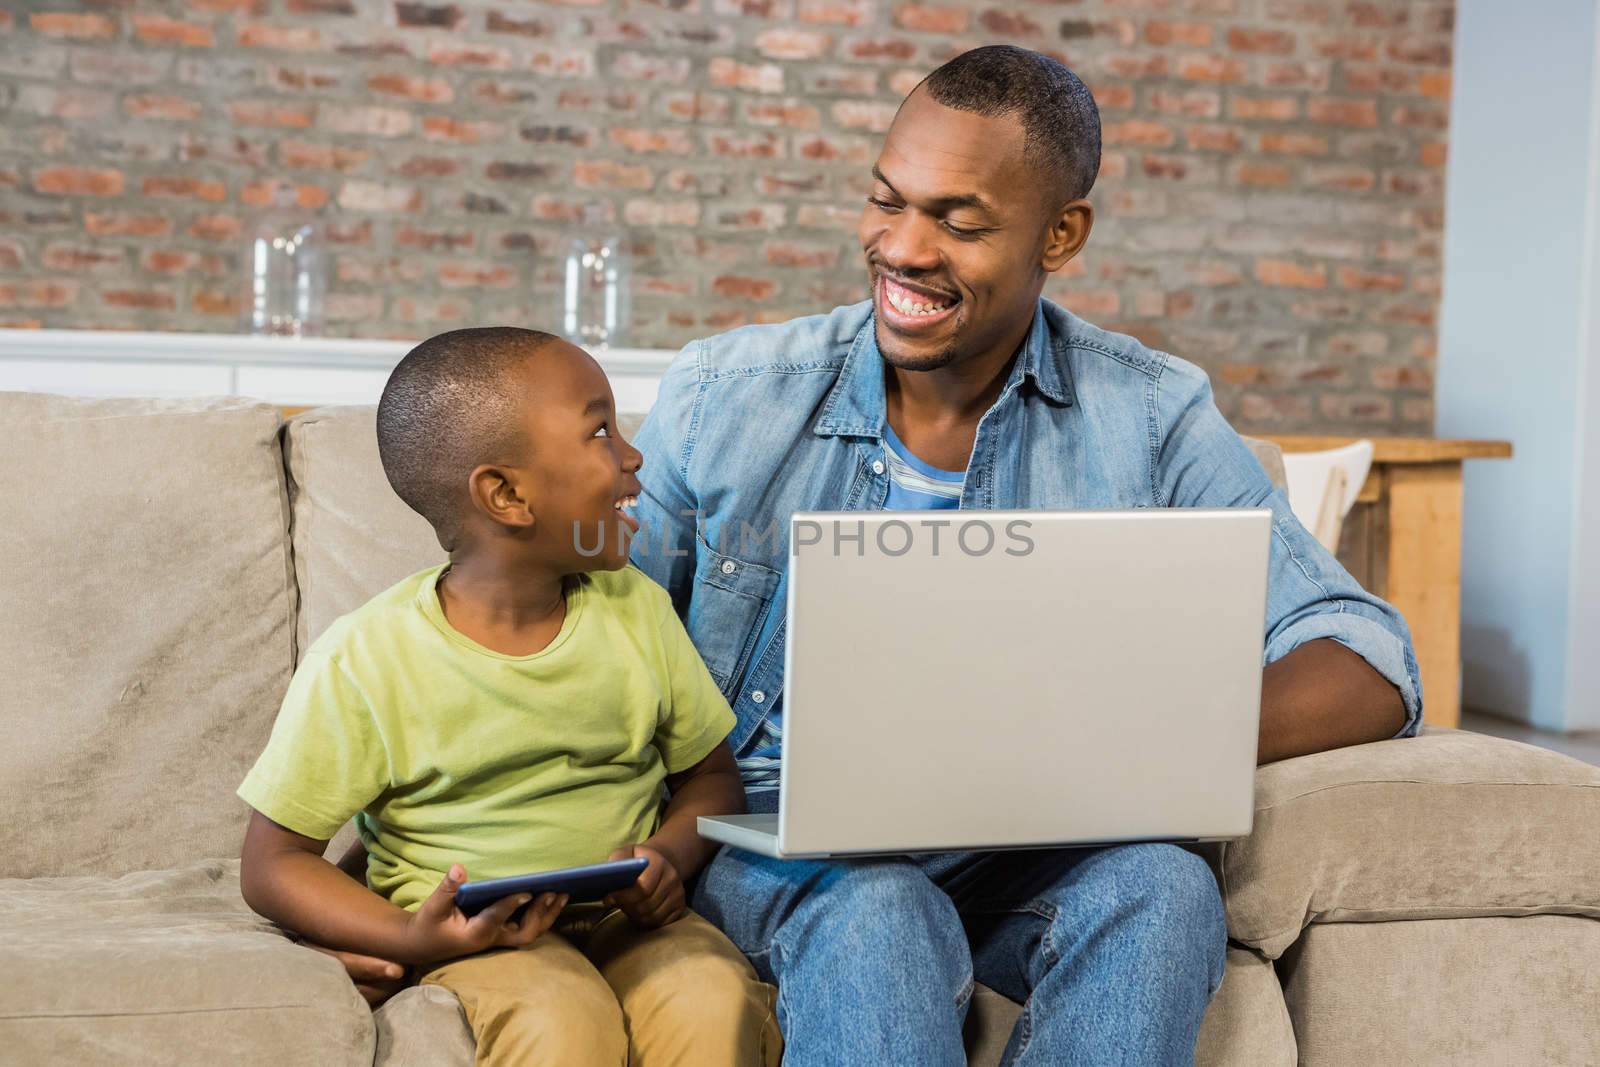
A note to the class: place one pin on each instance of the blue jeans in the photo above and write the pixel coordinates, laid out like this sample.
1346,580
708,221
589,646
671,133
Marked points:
1115,951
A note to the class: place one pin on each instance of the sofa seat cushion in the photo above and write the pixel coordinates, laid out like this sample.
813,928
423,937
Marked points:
1448,824
166,967
1458,991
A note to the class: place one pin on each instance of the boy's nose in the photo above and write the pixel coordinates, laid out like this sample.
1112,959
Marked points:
632,459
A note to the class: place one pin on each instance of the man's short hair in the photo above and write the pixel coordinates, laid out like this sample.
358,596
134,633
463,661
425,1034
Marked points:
450,405
1059,118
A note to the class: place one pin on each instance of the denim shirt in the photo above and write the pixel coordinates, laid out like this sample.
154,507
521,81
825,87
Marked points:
755,424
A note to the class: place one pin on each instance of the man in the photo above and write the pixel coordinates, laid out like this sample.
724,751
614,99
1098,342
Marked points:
956,385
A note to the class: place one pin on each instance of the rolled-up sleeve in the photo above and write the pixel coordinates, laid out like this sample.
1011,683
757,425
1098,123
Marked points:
1310,597
1202,462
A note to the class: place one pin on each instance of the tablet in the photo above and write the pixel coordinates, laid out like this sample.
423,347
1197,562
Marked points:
581,884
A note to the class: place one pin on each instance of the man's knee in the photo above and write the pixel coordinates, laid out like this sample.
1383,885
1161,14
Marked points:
819,894
1185,887
865,922
1167,899
878,920
855,893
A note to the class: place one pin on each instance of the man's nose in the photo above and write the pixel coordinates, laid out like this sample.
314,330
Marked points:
908,243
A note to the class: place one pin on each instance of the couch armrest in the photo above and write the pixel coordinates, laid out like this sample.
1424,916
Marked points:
1445,825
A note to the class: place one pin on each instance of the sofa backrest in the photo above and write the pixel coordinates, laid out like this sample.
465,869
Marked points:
1270,456
353,537
146,637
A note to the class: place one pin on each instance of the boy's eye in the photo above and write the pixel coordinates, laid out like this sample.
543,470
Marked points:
602,431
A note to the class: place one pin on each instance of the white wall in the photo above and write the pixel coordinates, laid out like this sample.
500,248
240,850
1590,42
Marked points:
1583,685
1518,357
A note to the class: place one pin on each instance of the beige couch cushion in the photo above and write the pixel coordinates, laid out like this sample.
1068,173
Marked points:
1270,456
424,1026
1247,1024
166,967
147,638
1446,824
1457,991
353,537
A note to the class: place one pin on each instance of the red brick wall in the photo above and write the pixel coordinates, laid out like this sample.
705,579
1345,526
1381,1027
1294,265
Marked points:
1270,204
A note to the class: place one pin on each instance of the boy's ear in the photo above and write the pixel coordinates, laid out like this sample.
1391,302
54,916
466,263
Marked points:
496,492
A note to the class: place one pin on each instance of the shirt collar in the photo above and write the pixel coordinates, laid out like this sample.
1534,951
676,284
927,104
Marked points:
855,406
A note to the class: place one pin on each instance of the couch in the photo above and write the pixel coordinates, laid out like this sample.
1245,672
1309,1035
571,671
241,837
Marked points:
1421,901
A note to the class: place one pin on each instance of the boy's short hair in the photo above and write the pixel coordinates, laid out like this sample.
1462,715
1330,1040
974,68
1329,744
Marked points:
449,406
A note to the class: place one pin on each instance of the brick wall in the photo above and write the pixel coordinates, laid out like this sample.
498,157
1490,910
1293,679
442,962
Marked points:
1270,205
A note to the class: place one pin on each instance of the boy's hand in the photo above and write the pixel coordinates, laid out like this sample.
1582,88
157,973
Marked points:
657,898
439,931
376,980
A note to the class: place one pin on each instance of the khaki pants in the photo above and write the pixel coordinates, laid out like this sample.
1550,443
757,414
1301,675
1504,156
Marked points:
600,991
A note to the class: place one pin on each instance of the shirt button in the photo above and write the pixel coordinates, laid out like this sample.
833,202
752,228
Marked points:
758,696
728,566
877,466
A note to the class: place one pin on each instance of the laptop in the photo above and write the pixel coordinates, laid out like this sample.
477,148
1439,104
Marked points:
980,680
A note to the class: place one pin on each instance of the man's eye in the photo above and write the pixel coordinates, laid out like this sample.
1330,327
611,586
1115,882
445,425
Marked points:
882,205
963,232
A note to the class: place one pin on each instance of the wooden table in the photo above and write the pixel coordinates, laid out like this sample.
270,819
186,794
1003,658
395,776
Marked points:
1402,541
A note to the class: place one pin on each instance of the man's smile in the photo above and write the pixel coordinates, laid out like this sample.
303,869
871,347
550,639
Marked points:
912,309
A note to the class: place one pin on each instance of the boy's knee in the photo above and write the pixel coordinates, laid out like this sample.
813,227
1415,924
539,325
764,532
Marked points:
689,996
577,1023
695,984
583,1031
712,1006
679,969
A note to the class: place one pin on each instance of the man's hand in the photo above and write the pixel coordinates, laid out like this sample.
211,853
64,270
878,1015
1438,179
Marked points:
439,931
376,980
657,898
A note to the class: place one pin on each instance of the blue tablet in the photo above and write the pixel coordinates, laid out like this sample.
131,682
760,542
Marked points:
581,884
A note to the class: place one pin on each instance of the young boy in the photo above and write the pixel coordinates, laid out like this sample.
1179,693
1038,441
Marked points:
517,709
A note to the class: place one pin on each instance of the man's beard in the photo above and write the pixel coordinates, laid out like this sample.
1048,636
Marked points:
897,357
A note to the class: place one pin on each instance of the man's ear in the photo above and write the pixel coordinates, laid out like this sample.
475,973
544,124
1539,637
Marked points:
496,492
1068,234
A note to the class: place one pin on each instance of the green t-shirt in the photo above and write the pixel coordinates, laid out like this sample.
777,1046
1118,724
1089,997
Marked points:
453,753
